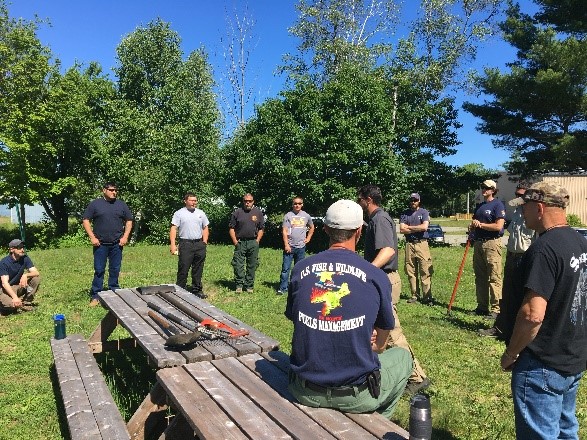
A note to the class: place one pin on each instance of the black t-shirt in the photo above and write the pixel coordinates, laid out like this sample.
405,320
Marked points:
555,267
246,224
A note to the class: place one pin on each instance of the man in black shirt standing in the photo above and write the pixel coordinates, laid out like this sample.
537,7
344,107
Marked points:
111,220
547,337
246,230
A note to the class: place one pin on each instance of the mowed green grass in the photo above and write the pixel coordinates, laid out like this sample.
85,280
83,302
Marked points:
470,395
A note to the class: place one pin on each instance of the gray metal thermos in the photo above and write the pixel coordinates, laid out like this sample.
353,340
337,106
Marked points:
59,323
420,418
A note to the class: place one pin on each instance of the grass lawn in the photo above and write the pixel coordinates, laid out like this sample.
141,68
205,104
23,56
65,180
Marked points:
470,395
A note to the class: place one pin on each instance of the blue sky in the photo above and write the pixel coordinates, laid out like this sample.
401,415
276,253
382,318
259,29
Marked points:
84,31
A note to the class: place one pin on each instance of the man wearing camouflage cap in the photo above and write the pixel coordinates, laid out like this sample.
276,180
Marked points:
546,329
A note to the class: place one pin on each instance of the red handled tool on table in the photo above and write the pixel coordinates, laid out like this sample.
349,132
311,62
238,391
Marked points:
177,338
206,326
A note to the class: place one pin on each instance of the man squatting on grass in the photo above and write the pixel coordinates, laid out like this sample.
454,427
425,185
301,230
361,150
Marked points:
546,322
112,222
296,230
381,251
340,306
20,279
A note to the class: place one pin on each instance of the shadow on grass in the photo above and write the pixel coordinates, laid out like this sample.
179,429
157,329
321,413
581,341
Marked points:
227,284
463,324
129,377
442,434
61,417
271,285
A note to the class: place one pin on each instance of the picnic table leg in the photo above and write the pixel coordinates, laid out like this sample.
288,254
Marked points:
150,415
102,332
178,429
99,342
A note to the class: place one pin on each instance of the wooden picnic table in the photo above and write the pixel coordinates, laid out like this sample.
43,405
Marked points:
129,308
247,397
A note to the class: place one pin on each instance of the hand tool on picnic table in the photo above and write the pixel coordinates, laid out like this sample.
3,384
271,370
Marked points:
177,338
204,325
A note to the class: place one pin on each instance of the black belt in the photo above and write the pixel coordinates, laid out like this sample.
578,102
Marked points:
416,240
246,239
482,240
347,390
389,271
195,240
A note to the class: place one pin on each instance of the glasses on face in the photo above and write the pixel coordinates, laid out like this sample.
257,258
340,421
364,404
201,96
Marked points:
414,200
112,189
248,200
519,194
297,203
485,188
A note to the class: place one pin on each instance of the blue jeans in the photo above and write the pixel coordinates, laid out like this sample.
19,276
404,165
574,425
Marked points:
544,400
112,253
296,255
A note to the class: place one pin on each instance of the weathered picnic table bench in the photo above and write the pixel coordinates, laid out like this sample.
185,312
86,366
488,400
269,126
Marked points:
90,410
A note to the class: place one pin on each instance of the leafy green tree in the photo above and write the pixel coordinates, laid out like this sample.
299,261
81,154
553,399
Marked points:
24,72
538,109
167,136
67,129
321,143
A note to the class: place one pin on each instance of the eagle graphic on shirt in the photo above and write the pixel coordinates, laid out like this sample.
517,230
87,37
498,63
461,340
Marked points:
327,292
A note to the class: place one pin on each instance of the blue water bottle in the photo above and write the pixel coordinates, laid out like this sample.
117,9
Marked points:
59,322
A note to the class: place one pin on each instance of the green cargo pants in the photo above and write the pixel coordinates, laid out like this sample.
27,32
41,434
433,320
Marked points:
245,262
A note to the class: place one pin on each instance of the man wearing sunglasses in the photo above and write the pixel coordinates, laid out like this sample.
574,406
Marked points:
296,230
487,229
246,230
108,222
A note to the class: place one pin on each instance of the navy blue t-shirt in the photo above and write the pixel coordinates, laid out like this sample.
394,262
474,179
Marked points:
415,218
14,268
335,300
489,212
108,218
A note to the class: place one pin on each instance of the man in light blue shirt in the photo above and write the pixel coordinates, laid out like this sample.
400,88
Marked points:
191,224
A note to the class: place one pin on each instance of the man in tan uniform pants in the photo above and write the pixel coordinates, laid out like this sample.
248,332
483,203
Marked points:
381,251
413,224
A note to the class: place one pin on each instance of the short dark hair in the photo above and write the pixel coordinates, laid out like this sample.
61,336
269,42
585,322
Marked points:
109,184
188,195
339,235
370,191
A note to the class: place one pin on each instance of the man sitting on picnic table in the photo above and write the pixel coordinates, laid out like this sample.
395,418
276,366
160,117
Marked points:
340,305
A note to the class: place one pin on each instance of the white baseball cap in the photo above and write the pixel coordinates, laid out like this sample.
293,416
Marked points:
344,214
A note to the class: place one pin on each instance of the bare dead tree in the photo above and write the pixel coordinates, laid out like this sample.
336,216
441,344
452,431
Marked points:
237,46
